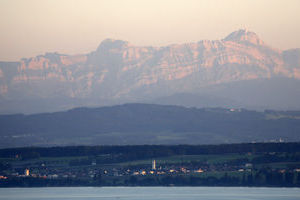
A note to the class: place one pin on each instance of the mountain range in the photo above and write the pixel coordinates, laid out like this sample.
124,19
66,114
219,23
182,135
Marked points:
237,71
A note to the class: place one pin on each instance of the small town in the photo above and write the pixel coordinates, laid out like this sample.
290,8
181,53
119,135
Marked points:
267,168
91,171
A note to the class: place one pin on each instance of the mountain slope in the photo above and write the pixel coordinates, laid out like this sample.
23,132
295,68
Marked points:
259,94
119,72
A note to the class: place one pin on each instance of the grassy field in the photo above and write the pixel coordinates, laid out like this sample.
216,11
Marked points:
208,159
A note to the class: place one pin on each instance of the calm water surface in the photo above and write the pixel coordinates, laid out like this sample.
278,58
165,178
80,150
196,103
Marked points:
150,193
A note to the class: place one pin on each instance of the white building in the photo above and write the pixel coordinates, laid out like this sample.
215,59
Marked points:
153,165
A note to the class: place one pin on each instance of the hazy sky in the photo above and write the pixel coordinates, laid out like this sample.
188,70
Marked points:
32,27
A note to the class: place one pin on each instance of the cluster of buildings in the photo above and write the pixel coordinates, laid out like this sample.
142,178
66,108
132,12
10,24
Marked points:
166,170
93,170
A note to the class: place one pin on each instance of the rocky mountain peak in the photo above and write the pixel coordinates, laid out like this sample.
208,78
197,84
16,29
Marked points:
112,44
244,35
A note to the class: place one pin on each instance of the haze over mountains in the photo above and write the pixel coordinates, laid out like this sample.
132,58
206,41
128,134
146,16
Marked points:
237,71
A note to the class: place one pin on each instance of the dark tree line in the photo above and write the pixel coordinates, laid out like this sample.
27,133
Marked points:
133,152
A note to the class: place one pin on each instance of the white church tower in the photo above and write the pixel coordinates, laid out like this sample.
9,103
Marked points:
153,165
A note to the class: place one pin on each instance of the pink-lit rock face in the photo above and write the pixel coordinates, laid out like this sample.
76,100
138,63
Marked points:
71,60
147,80
90,76
52,75
36,63
3,89
279,69
251,76
23,78
244,35
118,68
132,54
297,73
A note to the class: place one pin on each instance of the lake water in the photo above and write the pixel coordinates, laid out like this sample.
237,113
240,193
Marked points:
150,193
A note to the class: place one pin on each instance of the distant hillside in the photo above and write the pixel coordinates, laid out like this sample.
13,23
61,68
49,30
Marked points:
260,94
147,124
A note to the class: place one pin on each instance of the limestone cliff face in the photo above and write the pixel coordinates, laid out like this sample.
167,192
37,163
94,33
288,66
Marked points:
118,69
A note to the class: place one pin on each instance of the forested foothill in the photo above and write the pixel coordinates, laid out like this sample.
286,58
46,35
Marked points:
137,124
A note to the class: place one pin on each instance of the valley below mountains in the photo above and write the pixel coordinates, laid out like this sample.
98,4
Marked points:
239,71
